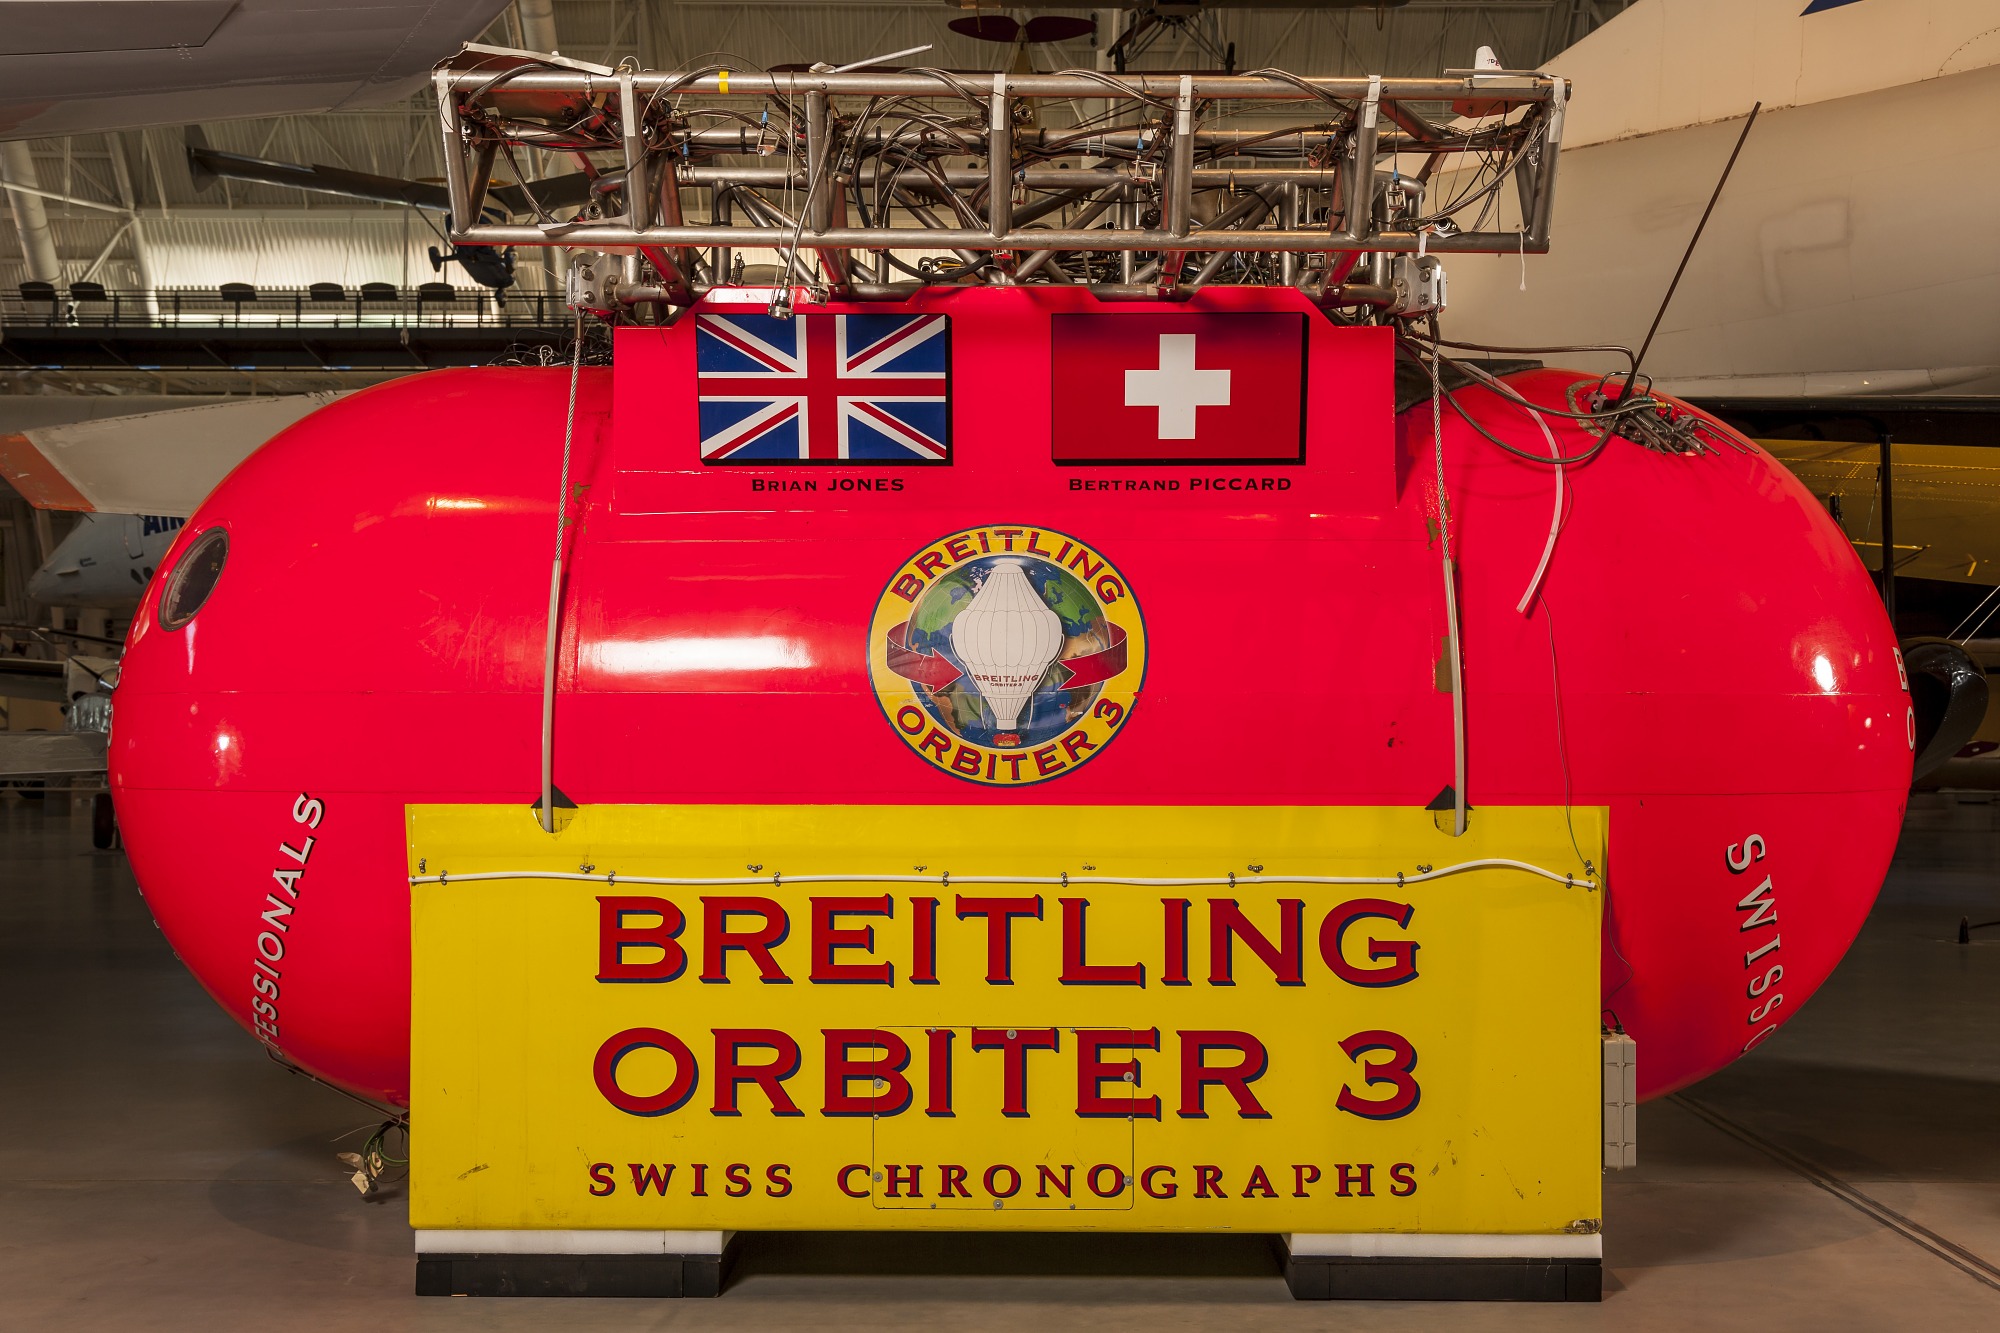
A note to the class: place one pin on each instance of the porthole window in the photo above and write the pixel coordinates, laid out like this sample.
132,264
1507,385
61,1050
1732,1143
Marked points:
193,578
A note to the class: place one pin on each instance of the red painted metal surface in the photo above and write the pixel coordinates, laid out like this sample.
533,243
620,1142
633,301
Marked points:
1722,665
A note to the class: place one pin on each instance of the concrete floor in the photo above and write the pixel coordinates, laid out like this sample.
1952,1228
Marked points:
157,1172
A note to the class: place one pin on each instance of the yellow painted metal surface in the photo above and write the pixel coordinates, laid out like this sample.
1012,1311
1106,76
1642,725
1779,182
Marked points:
1304,1057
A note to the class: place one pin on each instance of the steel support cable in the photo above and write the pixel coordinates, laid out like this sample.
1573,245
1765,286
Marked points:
1693,241
548,807
1450,601
1955,636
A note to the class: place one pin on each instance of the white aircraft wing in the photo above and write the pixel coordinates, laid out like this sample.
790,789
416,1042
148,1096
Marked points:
1852,251
78,66
162,463
1669,64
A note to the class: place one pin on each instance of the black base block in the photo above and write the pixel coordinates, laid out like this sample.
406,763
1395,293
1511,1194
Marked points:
653,1275
1334,1278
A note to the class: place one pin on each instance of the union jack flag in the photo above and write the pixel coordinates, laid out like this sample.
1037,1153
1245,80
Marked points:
824,388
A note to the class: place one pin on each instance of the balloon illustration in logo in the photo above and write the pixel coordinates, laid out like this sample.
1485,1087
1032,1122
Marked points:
1006,638
1007,655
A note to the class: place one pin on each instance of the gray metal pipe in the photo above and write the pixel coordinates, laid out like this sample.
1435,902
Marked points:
604,235
743,140
1160,88
31,215
1252,209
1359,184
458,186
1039,178
1090,214
1000,159
1545,180
538,24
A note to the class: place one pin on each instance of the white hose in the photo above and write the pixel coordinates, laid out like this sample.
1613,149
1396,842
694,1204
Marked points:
1507,390
1555,520
1050,881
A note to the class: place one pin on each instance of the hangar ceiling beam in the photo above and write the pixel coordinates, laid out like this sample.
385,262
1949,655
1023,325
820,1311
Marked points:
135,230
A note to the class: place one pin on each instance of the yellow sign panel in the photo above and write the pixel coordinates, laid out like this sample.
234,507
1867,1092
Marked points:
1034,1017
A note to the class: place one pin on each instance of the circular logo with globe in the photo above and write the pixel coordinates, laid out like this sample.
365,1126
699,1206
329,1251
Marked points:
1007,655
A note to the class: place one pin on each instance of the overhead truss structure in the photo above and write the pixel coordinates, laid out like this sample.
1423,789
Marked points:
870,184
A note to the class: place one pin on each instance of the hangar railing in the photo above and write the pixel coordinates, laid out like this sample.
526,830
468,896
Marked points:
321,306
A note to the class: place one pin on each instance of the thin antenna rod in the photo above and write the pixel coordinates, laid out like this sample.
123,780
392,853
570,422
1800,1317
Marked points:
1689,254
876,60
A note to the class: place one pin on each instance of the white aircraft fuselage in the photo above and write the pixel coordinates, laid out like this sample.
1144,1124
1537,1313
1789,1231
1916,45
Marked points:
1855,248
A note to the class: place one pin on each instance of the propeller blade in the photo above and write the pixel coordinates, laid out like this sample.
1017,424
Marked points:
987,27
1056,28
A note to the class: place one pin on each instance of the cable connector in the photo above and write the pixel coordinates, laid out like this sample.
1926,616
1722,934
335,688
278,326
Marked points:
1416,286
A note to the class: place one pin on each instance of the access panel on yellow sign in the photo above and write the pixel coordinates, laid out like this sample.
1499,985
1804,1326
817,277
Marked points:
812,1025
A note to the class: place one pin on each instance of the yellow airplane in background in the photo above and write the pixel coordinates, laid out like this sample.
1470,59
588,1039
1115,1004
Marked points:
1942,519
1944,476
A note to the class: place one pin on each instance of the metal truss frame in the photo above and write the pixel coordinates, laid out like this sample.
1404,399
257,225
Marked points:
1163,184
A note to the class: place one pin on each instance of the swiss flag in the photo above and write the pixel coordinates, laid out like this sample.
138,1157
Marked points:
1179,388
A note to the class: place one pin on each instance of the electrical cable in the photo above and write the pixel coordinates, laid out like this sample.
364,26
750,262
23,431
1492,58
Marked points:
378,1142
1119,86
1538,351
1555,519
1451,399
1643,403
1603,875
